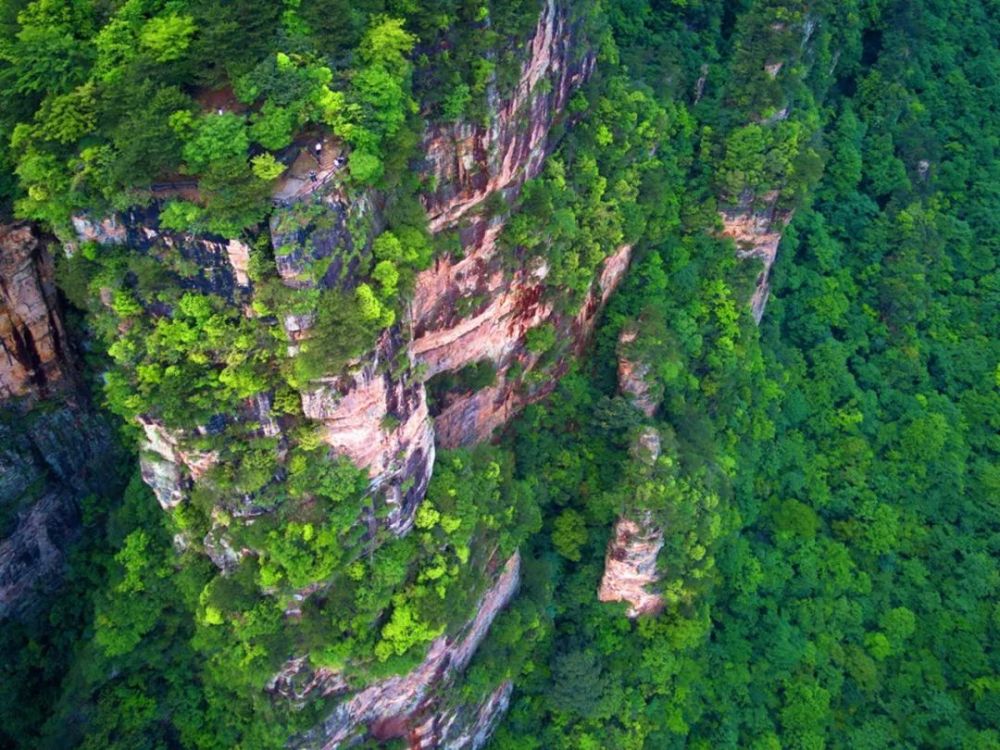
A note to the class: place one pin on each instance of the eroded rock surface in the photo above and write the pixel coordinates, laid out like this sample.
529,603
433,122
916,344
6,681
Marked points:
473,309
630,566
463,727
222,263
472,161
377,416
466,310
514,305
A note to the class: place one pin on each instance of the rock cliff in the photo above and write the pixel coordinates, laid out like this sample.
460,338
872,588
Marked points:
465,310
513,304
471,161
633,375
33,360
220,264
473,307
756,218
51,457
378,418
630,566
464,727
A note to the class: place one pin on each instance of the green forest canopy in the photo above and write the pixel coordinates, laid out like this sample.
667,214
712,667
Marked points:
830,502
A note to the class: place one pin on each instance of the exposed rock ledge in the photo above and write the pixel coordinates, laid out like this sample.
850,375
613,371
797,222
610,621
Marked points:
464,727
757,234
379,420
50,457
497,333
471,161
472,309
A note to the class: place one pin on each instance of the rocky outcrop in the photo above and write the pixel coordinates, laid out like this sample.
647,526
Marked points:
636,541
630,566
633,374
513,304
49,461
314,237
297,682
51,456
31,555
375,411
755,219
757,234
464,310
168,469
406,706
33,360
222,265
475,309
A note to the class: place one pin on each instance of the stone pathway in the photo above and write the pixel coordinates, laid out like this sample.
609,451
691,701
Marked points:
311,170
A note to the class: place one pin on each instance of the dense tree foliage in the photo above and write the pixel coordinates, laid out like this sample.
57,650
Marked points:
827,482
852,600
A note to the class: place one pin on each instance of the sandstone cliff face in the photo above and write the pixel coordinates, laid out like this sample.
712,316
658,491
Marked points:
756,222
318,249
376,413
221,267
757,234
379,420
222,263
513,304
463,311
630,566
48,462
468,164
471,161
49,458
464,727
33,359
406,706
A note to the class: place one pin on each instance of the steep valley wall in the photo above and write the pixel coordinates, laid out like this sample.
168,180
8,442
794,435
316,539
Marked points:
54,448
